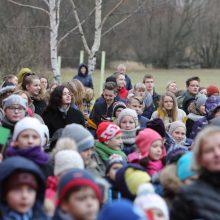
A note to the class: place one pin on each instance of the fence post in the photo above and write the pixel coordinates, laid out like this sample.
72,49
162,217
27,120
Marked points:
102,74
81,57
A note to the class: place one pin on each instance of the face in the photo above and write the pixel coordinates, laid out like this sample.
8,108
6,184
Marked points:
135,105
83,70
139,92
172,87
158,215
114,168
34,88
115,143
21,198
202,109
14,80
149,83
121,70
127,123
203,92
210,152
43,83
118,111
28,138
121,81
14,113
193,87
168,103
82,204
66,97
179,134
109,96
156,150
86,155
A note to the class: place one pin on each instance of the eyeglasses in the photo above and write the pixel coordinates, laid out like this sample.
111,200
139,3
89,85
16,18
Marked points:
14,108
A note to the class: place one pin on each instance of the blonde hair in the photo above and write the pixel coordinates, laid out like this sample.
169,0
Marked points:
139,85
89,94
197,147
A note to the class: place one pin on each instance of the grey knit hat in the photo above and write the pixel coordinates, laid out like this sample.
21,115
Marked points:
80,135
200,101
174,125
14,100
128,112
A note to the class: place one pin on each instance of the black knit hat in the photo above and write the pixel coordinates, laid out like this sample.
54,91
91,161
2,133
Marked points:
157,125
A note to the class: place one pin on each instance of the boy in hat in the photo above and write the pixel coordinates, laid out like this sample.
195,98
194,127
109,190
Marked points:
22,190
79,197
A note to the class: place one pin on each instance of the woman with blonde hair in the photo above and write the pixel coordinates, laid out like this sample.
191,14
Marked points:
168,110
201,199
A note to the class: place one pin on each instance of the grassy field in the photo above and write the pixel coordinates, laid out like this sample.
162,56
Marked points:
162,77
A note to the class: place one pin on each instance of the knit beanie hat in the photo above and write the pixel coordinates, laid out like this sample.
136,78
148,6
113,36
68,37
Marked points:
184,166
128,112
144,140
80,135
107,130
121,209
76,178
174,125
174,154
67,159
129,178
14,100
28,123
116,106
113,159
22,73
158,126
7,89
200,101
147,199
211,90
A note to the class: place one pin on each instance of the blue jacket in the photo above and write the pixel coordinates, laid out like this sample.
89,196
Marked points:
85,79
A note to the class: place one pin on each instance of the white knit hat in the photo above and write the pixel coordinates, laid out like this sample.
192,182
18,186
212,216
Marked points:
174,125
128,112
66,160
28,123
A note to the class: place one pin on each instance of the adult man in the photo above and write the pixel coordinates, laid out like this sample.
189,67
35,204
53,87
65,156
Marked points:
192,90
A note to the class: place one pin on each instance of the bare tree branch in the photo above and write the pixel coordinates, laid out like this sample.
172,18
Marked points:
35,27
29,6
46,2
76,27
111,11
85,43
124,19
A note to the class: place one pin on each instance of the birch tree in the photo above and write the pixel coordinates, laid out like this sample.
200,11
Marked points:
52,10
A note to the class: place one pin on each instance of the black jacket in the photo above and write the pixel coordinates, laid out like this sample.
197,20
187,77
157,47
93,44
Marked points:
199,200
56,119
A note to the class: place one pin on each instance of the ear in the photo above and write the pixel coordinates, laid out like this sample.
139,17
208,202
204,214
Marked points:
14,143
64,206
27,87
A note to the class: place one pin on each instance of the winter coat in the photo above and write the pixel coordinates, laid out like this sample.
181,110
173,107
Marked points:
55,119
212,103
200,200
85,79
123,93
156,99
185,100
39,105
142,121
8,167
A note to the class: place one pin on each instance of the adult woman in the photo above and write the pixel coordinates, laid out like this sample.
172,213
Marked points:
59,113
32,85
168,110
201,199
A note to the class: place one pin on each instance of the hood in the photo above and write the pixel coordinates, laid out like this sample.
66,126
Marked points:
15,163
211,104
79,72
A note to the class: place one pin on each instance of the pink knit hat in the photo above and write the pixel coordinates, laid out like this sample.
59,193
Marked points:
144,140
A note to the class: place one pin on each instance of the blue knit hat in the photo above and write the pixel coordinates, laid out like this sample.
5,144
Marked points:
121,209
80,135
184,166
74,178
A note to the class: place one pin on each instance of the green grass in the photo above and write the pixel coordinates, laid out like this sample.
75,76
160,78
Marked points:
162,77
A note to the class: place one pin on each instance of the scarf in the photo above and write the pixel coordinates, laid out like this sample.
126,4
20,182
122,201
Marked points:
154,167
128,136
35,154
8,124
105,152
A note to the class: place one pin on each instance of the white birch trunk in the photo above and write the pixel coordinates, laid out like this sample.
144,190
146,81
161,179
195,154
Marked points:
54,7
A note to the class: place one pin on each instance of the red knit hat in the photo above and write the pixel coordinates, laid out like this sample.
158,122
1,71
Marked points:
211,90
107,130
144,140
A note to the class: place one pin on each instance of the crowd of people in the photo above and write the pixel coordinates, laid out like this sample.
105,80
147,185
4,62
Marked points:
129,154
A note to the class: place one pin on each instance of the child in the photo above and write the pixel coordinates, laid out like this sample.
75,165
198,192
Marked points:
79,197
27,141
117,108
152,150
115,162
22,190
151,203
110,142
128,122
